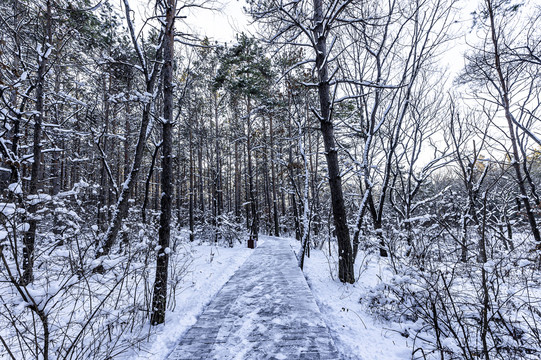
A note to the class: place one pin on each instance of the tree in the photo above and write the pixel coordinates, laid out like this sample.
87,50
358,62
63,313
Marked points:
150,72
245,73
44,51
386,67
491,67
164,233
292,21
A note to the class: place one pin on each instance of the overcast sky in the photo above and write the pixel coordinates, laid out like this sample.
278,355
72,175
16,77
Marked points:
229,19
221,24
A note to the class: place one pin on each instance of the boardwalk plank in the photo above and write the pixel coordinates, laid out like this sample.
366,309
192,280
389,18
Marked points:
265,311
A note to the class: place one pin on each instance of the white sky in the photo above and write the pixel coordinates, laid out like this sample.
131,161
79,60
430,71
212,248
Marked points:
221,24
229,19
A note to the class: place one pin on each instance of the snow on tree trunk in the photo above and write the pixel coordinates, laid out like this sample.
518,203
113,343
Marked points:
30,235
121,208
164,233
345,253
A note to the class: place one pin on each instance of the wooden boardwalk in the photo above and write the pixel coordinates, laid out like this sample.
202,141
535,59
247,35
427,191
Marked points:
265,311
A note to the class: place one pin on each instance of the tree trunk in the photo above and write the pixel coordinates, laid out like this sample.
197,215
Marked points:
192,187
29,239
55,173
147,182
504,91
266,183
103,205
237,182
254,224
122,203
164,233
273,176
14,163
345,262
293,201
127,136
218,197
200,176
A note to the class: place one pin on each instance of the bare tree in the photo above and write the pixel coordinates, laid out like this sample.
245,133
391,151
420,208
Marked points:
313,21
44,51
164,233
386,65
491,66
150,72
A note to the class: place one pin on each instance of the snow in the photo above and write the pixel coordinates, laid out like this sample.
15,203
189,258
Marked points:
356,332
40,198
523,263
112,262
418,218
7,209
489,266
209,268
23,227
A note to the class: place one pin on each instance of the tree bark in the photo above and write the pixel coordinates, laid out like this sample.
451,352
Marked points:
164,232
218,191
29,239
345,253
273,180
103,205
267,183
254,224
191,205
201,178
293,201
55,172
147,182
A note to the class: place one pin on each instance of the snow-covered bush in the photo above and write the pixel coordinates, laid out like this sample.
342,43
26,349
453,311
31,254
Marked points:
224,231
445,311
69,310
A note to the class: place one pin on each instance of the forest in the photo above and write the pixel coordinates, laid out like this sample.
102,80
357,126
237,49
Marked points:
403,135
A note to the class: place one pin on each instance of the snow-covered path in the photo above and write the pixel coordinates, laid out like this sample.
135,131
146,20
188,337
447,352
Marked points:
265,311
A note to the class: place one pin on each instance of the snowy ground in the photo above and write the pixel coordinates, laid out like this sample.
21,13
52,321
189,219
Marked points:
208,268
265,311
357,334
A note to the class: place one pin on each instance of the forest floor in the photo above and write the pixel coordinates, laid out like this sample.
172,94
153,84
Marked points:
202,270
244,310
357,333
